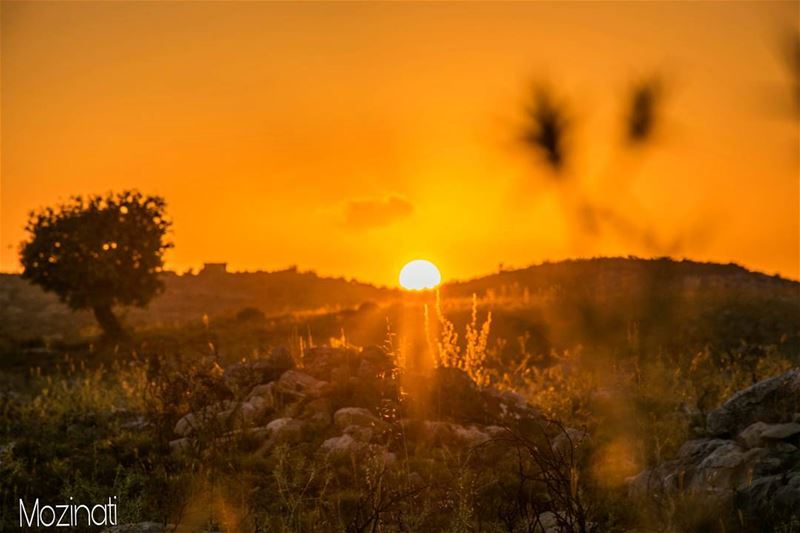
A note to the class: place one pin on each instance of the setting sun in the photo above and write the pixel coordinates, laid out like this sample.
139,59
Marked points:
419,275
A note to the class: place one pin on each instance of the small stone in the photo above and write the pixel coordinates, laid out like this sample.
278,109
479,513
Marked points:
570,440
285,430
186,425
179,445
781,431
338,447
384,456
496,431
317,413
266,392
301,385
453,435
783,447
549,522
470,436
357,416
751,437
193,422
259,405
359,433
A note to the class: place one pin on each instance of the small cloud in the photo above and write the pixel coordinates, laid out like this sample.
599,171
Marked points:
374,213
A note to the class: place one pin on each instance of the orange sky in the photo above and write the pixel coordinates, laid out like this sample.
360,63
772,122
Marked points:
351,138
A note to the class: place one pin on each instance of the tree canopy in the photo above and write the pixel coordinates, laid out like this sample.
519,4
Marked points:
98,252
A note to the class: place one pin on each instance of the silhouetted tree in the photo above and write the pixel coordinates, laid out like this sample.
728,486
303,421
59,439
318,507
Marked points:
98,252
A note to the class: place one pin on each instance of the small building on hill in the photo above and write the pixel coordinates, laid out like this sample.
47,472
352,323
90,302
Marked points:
214,269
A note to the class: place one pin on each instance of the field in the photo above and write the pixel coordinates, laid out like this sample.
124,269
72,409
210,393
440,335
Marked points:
544,399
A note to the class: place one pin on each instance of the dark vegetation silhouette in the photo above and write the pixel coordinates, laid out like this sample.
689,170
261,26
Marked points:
642,114
546,132
98,252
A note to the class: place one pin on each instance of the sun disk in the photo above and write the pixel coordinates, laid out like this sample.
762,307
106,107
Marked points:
419,275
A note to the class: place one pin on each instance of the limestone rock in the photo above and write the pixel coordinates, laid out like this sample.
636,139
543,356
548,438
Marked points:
179,445
345,447
359,433
285,430
451,435
781,431
192,422
750,437
265,391
752,463
300,385
357,416
718,470
569,441
318,413
771,400
338,447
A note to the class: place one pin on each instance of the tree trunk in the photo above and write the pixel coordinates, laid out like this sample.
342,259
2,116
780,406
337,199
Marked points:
108,321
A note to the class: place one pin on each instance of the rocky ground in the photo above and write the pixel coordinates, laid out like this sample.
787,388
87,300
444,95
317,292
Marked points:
351,402
348,405
341,406
745,459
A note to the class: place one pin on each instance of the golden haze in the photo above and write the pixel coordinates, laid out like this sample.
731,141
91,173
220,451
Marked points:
352,138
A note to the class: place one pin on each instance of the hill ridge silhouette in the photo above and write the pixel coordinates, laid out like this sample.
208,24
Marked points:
27,312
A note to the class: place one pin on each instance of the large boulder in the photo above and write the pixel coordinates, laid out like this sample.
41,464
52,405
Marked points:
771,400
721,469
751,462
774,495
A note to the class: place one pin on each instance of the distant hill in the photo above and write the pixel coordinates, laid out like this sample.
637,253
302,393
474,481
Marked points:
615,274
605,301
28,312
650,305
